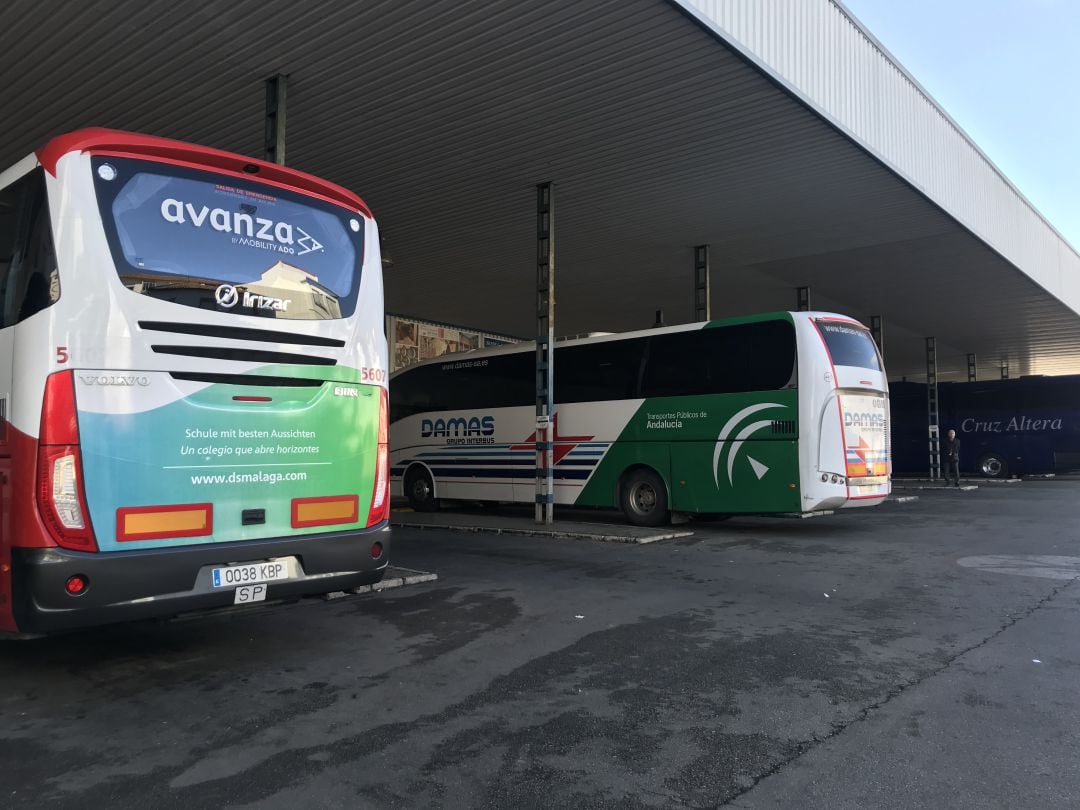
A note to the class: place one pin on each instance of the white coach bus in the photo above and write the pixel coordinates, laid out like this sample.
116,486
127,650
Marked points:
776,413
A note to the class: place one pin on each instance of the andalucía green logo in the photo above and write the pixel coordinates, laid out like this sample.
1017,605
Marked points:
736,444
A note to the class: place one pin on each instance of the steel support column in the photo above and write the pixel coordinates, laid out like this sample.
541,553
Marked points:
877,333
702,293
545,351
973,371
274,146
933,431
802,299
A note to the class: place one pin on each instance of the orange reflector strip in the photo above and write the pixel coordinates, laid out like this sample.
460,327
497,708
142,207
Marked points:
325,511
159,522
857,470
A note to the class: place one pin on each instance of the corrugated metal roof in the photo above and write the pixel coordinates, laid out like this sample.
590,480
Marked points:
444,115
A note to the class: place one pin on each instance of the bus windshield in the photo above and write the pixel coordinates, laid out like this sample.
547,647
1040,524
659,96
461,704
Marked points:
849,345
202,240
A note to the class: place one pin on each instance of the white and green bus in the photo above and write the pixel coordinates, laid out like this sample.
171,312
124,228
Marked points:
193,406
775,413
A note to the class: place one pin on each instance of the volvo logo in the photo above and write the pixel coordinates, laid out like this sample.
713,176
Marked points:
226,296
127,380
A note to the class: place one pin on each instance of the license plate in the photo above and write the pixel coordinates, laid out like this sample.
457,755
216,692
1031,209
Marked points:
247,594
231,576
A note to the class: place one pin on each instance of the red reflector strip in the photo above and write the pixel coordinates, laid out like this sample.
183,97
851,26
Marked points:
326,511
161,522
253,399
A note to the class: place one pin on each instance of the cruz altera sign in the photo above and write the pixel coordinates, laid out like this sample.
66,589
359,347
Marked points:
1017,424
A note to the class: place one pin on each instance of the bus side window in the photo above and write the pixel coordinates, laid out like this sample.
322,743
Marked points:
598,371
32,281
769,355
455,385
505,382
751,357
413,392
721,360
677,365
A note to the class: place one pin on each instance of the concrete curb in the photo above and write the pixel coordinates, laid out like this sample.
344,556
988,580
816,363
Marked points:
562,534
395,578
917,483
941,488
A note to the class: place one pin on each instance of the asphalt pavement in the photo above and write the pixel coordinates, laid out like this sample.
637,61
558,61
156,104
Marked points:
909,655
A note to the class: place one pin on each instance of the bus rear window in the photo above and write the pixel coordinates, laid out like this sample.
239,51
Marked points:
226,244
849,345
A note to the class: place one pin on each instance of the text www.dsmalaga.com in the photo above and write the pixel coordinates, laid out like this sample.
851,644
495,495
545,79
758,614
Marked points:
259,477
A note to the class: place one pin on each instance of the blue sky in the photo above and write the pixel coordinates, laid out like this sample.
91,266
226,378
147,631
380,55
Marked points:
1008,71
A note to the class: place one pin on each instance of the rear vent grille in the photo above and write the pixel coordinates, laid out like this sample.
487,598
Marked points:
245,355
245,379
240,333
784,426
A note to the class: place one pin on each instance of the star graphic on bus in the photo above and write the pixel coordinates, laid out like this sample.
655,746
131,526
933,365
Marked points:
563,444
860,451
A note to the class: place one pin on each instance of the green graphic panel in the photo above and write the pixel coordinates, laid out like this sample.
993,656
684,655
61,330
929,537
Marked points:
237,447
729,453
776,490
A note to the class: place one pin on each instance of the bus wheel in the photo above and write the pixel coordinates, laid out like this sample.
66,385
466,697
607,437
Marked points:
644,499
420,490
993,466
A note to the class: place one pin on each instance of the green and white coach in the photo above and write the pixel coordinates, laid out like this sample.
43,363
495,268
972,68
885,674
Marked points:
774,413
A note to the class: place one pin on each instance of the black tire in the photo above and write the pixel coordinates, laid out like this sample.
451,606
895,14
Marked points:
644,499
992,465
420,490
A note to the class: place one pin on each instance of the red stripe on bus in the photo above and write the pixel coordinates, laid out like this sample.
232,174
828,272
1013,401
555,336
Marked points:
131,144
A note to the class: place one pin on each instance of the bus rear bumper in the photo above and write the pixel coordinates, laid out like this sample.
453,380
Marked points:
163,582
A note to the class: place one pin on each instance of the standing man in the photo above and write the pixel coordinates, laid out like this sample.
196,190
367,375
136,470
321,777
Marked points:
950,452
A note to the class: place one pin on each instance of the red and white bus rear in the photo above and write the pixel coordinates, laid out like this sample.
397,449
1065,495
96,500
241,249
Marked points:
192,384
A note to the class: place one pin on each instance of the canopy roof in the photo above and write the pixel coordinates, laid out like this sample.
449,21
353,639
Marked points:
658,133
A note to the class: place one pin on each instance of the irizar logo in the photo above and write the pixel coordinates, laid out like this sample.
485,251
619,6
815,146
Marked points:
340,391
228,296
457,426
737,442
245,226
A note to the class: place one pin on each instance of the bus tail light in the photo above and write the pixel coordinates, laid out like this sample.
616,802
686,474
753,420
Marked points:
60,493
380,496
65,491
